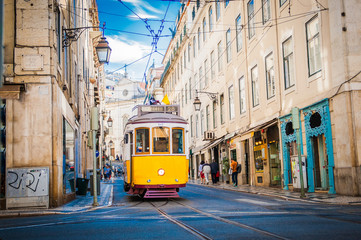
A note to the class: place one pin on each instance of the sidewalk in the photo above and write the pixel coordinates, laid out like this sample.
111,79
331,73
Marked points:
80,204
316,197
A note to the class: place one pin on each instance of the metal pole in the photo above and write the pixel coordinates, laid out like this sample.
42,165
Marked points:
300,162
95,194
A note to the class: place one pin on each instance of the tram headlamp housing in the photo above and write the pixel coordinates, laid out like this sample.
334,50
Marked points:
148,181
176,180
161,172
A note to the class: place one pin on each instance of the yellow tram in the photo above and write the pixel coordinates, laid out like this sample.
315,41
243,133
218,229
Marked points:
154,152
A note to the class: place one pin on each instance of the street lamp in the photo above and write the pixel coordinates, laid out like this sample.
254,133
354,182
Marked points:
103,50
197,103
110,122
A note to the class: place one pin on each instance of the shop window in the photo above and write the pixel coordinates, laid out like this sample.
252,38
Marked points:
160,140
177,140
234,154
142,140
68,157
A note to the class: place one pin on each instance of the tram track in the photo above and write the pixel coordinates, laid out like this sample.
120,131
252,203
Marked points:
203,235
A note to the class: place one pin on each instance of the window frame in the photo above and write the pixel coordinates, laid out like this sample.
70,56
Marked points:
268,10
214,112
290,75
242,95
231,102
210,18
308,49
255,87
251,29
228,45
267,72
153,134
135,144
183,137
239,40
221,104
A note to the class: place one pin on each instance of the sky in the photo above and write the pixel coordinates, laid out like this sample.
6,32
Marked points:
128,36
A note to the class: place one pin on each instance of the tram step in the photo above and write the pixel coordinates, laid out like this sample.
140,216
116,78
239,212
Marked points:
169,193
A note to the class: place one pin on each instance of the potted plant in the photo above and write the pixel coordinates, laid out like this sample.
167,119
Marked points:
225,169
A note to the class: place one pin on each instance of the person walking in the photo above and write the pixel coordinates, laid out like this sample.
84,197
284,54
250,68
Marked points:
214,170
200,171
206,171
234,172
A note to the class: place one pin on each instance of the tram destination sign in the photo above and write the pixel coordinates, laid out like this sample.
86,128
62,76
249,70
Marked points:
172,109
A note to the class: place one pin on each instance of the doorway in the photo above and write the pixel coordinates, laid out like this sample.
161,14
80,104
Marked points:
320,161
246,160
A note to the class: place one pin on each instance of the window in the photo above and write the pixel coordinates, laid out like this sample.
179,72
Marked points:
206,72
228,45
194,47
199,38
189,52
204,29
197,125
190,88
142,140
270,76
226,3
208,127
58,34
282,2
210,20
212,63
185,60
178,140
313,46
218,10
193,13
201,83
185,93
222,108
182,98
288,63
251,29
242,95
266,11
202,121
192,133
231,102
214,114
198,4
239,33
219,47
160,140
255,90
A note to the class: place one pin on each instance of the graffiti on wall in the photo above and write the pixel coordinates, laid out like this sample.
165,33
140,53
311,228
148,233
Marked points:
27,182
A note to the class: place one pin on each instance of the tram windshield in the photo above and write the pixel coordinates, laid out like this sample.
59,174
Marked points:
142,140
161,140
177,140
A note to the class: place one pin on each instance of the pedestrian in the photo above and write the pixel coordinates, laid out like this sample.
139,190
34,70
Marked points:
206,171
214,170
200,170
234,173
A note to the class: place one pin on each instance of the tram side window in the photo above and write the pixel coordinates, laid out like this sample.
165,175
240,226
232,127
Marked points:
177,140
142,140
160,140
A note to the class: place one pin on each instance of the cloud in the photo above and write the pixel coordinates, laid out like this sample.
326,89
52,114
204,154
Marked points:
126,51
143,9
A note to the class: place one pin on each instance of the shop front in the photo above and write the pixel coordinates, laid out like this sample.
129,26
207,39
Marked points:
320,160
267,162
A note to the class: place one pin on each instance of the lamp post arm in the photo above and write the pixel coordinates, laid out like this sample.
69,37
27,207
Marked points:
211,95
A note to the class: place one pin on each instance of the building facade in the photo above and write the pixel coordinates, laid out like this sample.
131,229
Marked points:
51,76
251,63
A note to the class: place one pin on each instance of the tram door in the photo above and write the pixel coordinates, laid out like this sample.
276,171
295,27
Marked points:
320,162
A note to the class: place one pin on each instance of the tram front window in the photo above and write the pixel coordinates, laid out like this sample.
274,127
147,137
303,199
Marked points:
160,140
177,140
142,140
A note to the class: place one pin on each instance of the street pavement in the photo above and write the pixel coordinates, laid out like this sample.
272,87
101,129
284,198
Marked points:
105,199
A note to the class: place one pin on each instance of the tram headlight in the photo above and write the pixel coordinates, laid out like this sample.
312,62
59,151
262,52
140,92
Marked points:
161,172
148,181
176,180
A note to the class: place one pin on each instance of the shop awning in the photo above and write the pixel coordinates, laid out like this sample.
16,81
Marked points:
230,135
215,142
11,91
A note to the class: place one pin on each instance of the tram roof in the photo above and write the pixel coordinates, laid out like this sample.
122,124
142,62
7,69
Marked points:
156,117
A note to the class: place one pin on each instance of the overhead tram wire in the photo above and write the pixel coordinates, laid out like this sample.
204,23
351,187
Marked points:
294,17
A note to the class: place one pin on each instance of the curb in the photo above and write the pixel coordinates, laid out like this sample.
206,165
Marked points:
278,196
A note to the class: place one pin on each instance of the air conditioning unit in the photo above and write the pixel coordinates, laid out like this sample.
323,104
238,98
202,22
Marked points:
208,135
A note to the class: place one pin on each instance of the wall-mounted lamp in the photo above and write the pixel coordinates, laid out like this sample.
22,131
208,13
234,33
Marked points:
110,122
197,103
103,50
